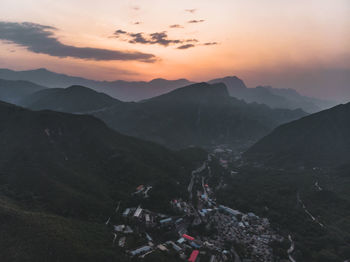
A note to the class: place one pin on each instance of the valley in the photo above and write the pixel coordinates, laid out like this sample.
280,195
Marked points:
197,229
174,131
194,174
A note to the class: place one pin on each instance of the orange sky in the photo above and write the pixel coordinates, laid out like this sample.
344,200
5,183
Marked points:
258,40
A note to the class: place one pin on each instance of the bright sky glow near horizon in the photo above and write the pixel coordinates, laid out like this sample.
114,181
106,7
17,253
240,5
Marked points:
301,44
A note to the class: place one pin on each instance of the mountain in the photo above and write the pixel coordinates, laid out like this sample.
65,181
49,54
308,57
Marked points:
123,90
13,91
273,97
140,90
198,114
317,140
61,176
74,99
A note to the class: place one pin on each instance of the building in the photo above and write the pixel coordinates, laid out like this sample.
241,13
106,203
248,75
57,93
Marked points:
177,248
119,228
128,230
140,187
148,237
195,245
126,212
140,250
165,221
179,220
188,237
162,247
121,242
193,256
180,241
230,210
138,212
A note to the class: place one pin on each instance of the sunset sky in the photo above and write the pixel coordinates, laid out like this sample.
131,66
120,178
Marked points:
302,44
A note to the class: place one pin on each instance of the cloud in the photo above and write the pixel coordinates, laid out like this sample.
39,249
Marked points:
40,39
137,23
120,32
191,10
176,26
160,38
186,46
136,8
191,40
211,43
196,21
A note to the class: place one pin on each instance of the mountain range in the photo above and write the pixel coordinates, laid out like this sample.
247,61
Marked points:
198,115
123,90
139,90
273,97
62,174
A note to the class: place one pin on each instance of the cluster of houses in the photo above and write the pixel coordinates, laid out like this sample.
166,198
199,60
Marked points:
143,191
177,233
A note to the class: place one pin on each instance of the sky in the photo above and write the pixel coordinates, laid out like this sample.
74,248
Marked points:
300,44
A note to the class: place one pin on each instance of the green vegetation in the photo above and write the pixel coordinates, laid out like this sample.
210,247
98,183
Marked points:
274,194
61,176
318,140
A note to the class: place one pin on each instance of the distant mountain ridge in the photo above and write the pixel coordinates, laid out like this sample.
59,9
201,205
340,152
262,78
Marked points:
123,90
318,140
140,90
74,99
14,91
198,114
273,97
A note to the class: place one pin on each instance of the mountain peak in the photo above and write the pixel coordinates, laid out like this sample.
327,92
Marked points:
42,69
232,82
79,88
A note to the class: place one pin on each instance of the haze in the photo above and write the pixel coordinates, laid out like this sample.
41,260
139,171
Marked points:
296,44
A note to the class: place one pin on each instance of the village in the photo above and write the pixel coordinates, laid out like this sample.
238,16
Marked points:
199,229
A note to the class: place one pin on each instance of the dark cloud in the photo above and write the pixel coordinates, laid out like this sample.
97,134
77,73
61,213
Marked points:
136,8
176,26
191,40
186,46
40,39
138,38
211,43
191,10
160,38
119,32
196,21
137,23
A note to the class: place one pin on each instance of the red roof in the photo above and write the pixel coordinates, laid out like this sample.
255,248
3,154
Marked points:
188,237
139,187
193,256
